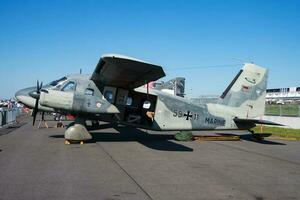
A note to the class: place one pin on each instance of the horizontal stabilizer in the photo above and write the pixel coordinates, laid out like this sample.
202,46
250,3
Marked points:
249,123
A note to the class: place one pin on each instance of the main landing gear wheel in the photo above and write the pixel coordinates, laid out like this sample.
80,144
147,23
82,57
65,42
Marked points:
67,142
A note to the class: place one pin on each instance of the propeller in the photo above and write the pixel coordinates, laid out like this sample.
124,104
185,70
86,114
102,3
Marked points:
36,95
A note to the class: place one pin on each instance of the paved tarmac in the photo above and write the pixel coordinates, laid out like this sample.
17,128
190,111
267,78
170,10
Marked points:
125,163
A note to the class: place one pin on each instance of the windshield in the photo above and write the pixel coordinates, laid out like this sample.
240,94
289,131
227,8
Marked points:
69,87
56,82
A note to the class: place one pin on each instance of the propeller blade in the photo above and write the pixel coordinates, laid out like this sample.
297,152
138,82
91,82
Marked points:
41,85
37,87
36,106
35,111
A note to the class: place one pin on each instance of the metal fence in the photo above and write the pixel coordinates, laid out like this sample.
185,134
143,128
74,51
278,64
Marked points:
8,116
291,110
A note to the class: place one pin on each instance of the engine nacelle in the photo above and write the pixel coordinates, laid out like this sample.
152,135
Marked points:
57,99
76,102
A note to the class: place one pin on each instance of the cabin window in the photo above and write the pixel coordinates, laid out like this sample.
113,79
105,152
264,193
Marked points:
109,96
69,87
129,101
89,92
146,104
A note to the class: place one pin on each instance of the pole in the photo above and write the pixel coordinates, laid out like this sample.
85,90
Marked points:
261,126
147,90
280,110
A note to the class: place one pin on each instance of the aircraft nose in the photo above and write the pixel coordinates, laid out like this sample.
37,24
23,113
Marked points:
19,95
24,97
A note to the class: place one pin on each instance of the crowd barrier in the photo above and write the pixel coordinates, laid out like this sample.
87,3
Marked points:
9,116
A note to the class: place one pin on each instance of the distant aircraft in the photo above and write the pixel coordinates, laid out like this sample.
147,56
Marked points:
114,93
175,86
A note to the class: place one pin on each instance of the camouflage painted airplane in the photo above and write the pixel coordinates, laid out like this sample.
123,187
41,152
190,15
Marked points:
114,93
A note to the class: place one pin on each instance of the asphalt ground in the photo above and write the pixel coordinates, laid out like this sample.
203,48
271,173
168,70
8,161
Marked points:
126,163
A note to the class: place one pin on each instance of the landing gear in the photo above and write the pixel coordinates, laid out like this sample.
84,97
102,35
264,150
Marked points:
256,136
77,132
43,121
67,142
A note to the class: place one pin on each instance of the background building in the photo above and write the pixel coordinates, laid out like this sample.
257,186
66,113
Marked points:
283,95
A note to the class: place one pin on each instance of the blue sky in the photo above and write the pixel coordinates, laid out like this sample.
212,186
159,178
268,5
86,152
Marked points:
47,39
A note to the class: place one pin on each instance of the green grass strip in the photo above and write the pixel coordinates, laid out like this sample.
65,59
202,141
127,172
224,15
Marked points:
278,131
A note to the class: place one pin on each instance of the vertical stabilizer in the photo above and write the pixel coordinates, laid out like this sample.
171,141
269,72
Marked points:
246,93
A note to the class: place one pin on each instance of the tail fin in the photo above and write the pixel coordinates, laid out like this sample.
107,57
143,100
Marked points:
247,91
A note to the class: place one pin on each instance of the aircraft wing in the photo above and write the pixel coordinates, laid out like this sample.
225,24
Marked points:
125,72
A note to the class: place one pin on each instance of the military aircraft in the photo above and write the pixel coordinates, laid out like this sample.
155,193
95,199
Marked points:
114,93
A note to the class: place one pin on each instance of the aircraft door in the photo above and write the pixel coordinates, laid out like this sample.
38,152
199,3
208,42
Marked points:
121,99
89,99
140,109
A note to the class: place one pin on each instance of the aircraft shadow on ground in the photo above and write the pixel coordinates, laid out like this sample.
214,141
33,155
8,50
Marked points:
126,134
11,128
153,141
249,137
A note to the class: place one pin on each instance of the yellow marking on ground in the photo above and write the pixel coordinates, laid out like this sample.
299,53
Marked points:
217,138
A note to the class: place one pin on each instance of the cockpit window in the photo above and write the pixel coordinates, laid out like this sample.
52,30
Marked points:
54,83
89,92
70,86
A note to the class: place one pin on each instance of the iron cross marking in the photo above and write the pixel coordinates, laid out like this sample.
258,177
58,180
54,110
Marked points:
188,115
